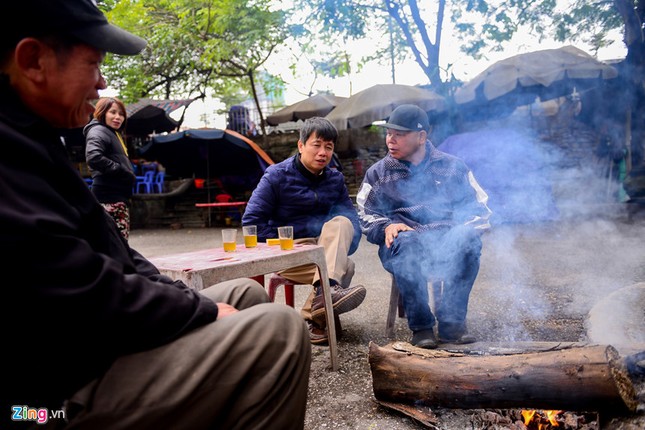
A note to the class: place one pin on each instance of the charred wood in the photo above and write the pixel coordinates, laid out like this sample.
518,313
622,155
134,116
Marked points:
544,375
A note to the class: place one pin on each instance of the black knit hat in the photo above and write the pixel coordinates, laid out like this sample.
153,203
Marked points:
79,18
408,118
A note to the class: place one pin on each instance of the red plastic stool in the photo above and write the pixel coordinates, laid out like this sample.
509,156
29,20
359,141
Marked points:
277,280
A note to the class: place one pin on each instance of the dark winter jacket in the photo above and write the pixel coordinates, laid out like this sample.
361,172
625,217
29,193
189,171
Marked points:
288,194
440,193
112,172
83,296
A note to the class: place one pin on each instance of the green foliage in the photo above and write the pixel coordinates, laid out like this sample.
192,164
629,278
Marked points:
194,47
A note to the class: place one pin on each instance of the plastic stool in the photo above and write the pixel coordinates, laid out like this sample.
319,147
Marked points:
277,280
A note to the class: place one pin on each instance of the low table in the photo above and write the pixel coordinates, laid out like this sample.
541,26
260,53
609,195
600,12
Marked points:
203,268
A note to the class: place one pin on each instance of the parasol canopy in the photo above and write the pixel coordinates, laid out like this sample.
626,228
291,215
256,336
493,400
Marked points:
377,103
209,153
152,116
318,105
518,80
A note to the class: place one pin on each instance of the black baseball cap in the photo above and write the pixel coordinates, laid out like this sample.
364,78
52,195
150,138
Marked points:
81,19
408,118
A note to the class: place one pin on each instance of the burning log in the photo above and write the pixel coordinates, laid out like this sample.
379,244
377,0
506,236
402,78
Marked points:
574,377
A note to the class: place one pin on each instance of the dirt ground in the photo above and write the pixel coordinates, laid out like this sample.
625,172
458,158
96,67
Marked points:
536,283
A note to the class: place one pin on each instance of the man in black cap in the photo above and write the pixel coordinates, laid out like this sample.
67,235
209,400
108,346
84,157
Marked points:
426,212
96,337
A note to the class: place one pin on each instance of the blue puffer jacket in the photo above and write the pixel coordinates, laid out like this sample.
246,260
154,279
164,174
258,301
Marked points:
287,195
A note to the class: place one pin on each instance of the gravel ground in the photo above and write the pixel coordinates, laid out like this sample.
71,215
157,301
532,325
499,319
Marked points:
536,283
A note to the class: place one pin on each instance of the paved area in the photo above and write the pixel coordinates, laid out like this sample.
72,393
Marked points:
574,280
591,268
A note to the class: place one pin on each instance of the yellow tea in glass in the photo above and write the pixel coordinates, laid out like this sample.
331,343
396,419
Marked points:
250,233
286,237
286,244
229,237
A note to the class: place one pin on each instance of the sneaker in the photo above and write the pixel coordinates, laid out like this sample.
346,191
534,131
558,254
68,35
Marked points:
343,300
424,339
318,334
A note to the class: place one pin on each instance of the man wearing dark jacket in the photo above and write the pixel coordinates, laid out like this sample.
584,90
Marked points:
304,192
426,212
96,337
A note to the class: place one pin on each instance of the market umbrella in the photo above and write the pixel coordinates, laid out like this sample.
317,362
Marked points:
209,153
152,116
318,105
518,80
377,103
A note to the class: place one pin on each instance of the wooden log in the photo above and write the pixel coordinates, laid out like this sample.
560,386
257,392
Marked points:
573,378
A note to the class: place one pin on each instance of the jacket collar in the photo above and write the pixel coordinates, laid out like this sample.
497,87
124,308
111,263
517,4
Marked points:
306,173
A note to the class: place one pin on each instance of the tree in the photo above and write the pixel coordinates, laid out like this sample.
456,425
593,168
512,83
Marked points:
410,36
488,24
195,46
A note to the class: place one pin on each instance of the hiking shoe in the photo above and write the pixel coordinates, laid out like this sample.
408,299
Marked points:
343,300
424,339
318,334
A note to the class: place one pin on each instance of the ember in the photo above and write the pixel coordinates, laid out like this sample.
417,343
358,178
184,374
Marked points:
517,419
540,420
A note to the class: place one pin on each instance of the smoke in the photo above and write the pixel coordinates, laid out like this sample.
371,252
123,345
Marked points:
513,169
558,245
538,282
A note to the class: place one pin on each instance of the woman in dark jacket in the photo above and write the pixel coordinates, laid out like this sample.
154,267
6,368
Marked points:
107,157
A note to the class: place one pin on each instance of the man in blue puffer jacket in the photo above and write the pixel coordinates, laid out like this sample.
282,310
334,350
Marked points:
304,192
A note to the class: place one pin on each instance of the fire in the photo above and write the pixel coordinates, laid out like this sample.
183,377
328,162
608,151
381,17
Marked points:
550,416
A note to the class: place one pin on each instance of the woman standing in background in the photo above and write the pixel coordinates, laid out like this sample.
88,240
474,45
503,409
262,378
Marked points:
107,157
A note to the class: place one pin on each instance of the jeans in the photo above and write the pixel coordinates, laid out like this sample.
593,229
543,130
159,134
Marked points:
452,256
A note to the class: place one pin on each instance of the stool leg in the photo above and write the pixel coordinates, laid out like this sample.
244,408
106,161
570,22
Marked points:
272,287
392,311
288,294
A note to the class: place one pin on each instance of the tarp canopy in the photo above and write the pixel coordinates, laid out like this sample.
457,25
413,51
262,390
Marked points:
152,116
209,153
513,170
377,103
520,79
317,105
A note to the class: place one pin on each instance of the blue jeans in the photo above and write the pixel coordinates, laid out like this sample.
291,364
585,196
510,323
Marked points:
452,256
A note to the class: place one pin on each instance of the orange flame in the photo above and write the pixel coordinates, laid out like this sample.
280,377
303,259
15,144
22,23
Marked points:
529,415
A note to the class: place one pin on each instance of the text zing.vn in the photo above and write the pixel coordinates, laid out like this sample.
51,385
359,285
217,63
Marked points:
40,415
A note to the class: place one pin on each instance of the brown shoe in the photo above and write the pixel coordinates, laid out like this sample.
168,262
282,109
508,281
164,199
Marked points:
318,334
343,300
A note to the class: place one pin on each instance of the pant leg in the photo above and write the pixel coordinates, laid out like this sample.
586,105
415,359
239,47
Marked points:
249,370
405,260
336,237
457,263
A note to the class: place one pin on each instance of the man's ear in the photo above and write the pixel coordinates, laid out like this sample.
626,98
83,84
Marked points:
423,136
300,146
31,57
